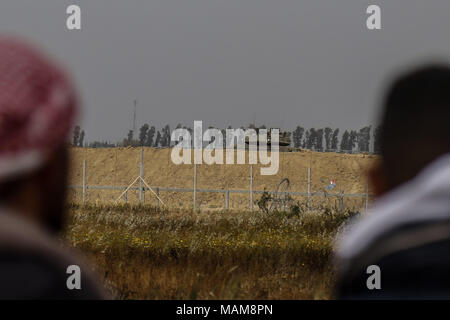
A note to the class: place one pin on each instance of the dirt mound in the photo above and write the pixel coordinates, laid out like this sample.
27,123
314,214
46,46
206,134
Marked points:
120,166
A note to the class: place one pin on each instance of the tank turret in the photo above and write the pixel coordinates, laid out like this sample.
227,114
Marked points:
283,141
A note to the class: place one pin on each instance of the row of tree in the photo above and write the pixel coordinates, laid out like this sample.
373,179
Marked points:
322,139
351,140
149,137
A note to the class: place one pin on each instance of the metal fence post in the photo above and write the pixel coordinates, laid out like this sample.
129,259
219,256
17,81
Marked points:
195,185
309,187
84,181
367,196
227,199
141,174
157,198
251,187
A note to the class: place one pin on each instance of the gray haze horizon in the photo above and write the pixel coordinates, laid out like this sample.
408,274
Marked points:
280,63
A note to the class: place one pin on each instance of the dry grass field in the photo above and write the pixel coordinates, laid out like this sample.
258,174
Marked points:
143,253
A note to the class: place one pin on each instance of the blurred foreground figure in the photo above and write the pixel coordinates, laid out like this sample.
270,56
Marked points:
37,108
407,233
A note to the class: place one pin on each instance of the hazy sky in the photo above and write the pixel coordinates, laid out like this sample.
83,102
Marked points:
231,62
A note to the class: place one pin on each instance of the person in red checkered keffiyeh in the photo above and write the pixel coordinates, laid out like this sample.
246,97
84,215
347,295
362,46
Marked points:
37,110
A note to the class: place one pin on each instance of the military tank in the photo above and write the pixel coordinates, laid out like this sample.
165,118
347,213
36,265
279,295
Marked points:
284,140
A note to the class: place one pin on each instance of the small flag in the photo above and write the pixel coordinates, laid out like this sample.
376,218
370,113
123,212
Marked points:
331,185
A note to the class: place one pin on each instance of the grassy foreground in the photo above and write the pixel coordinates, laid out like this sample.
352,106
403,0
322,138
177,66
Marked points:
146,254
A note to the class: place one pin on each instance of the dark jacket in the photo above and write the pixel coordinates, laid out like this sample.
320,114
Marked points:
407,235
33,265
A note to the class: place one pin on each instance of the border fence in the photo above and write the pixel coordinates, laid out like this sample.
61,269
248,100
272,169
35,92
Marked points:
139,188
227,193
